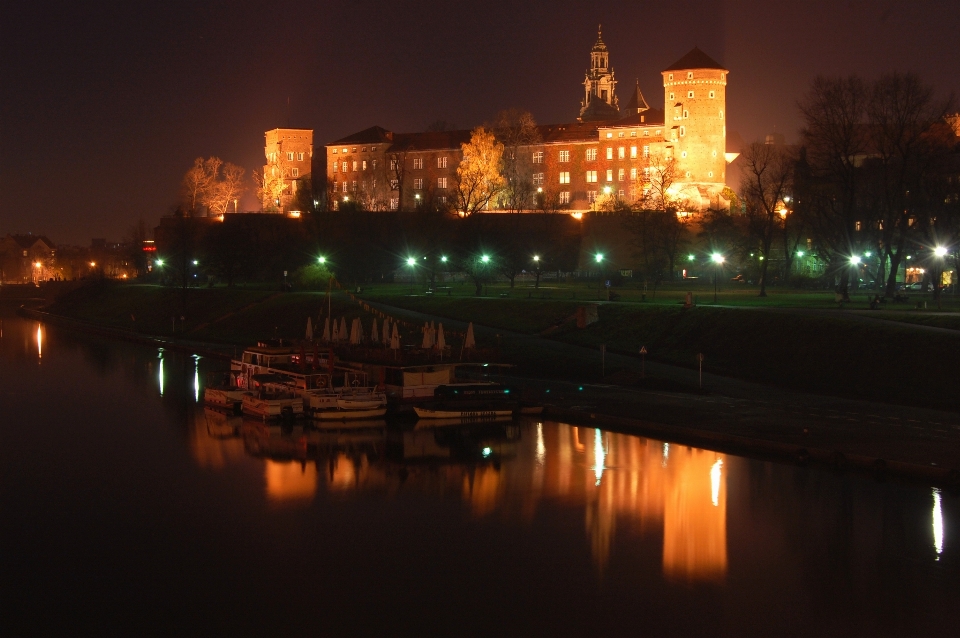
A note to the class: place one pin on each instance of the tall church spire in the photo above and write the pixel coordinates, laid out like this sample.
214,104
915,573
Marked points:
600,100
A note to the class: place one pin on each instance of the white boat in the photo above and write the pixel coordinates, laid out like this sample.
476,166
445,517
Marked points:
271,398
467,413
229,399
356,403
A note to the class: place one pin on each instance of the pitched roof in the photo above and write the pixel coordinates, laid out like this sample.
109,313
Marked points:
429,140
696,59
29,241
636,103
372,135
650,117
598,111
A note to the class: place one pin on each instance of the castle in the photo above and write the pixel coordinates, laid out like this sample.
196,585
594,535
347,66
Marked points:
605,154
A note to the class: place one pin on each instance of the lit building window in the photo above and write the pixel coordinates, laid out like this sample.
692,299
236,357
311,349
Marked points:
689,75
442,163
354,165
633,152
364,164
591,196
343,186
418,162
609,174
689,95
670,77
620,134
336,166
646,133
712,94
683,131
633,133
290,156
394,203
591,177
564,156
686,114
441,182
620,193
334,151
418,183
609,152
565,177
591,154
353,186
633,173
538,157
672,97
343,167
564,197
538,179
620,174
721,115
295,172
621,152
300,157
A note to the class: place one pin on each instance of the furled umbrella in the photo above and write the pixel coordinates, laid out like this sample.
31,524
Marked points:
335,337
326,330
344,335
386,331
441,342
374,337
395,338
426,336
469,342
309,329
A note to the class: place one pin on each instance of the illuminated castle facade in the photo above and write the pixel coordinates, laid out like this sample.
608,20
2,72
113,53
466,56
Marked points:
607,154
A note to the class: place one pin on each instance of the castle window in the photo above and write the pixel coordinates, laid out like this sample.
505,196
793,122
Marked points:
345,151
364,149
564,156
683,154
290,156
688,174
565,177
441,182
394,203
538,179
672,98
564,197
591,177
609,152
620,193
646,151
683,131
646,133
354,165
591,196
354,149
295,172
713,94
334,151
442,163
657,132
364,164
344,186
634,133
353,186
689,95
633,152
343,167
620,134
721,115
710,174
686,114
300,156
670,77
538,157
621,174
621,152
442,199
418,183
609,174
609,134
591,154
335,167
418,163
633,173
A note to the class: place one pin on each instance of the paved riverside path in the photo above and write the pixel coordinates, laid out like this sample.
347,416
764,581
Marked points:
733,407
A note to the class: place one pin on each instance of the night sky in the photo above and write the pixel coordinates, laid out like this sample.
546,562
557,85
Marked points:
105,105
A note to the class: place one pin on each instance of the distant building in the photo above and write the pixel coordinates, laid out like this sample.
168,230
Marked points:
27,259
289,155
605,152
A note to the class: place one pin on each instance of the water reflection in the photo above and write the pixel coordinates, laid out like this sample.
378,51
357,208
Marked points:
937,523
619,483
39,342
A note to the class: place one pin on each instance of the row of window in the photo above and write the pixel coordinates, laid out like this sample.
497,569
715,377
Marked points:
692,95
591,154
346,150
291,156
646,133
689,76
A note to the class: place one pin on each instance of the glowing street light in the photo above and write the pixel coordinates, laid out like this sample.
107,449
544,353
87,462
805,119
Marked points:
607,190
799,253
599,257
718,260
443,258
195,262
93,264
411,261
940,251
855,260
159,262
38,265
867,254
321,260
691,257
485,259
536,257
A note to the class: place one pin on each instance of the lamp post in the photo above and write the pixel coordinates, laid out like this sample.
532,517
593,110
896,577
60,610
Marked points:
536,269
718,260
939,253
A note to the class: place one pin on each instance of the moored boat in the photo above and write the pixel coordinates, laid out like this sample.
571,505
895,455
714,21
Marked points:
228,399
272,398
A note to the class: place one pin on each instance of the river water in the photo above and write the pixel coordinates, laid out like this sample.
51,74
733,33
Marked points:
125,506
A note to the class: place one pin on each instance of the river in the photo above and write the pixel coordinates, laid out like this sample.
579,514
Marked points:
126,507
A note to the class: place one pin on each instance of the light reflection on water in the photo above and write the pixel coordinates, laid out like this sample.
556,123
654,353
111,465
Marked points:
122,471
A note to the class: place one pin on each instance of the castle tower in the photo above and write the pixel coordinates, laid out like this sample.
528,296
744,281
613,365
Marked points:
694,90
600,99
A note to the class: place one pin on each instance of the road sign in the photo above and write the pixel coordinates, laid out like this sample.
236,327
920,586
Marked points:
643,349
700,357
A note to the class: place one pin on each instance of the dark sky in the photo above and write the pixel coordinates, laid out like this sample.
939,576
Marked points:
105,105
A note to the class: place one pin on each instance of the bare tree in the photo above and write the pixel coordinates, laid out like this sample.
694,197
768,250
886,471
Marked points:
198,181
478,179
835,138
517,131
768,172
272,181
225,188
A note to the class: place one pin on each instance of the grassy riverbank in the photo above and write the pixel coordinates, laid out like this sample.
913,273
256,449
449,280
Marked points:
837,355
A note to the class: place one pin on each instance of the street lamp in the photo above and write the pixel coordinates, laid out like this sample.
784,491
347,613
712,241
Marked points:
443,258
855,260
485,259
196,263
159,262
940,251
718,260
691,257
599,257
411,261
321,260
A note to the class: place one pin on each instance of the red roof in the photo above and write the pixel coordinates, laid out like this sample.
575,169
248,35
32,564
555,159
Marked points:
696,59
